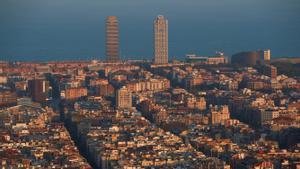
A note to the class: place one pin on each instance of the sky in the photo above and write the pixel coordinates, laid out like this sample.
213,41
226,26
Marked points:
74,29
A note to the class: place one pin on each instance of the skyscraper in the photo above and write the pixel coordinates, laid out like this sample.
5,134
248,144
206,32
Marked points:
160,40
112,39
124,98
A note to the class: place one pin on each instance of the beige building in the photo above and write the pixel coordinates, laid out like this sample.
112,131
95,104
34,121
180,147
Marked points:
149,85
219,115
201,103
124,98
267,55
161,40
3,79
75,93
195,103
112,39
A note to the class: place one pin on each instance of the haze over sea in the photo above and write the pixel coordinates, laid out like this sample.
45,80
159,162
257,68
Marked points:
74,29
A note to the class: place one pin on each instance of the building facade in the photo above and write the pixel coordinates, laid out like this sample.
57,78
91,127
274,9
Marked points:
219,115
210,60
112,39
38,90
250,58
270,70
267,55
8,98
124,98
161,40
75,93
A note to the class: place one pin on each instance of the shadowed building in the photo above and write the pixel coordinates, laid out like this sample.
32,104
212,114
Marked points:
38,90
246,58
251,58
269,70
160,40
112,39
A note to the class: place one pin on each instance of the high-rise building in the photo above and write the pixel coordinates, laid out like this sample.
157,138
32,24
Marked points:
112,39
38,90
124,98
160,40
267,55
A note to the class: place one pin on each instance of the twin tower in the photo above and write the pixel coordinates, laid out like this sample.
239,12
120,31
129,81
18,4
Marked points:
160,40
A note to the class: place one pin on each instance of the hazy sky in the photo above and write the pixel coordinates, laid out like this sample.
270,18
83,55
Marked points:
74,29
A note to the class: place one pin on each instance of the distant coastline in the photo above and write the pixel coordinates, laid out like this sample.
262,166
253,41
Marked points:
287,59
292,60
